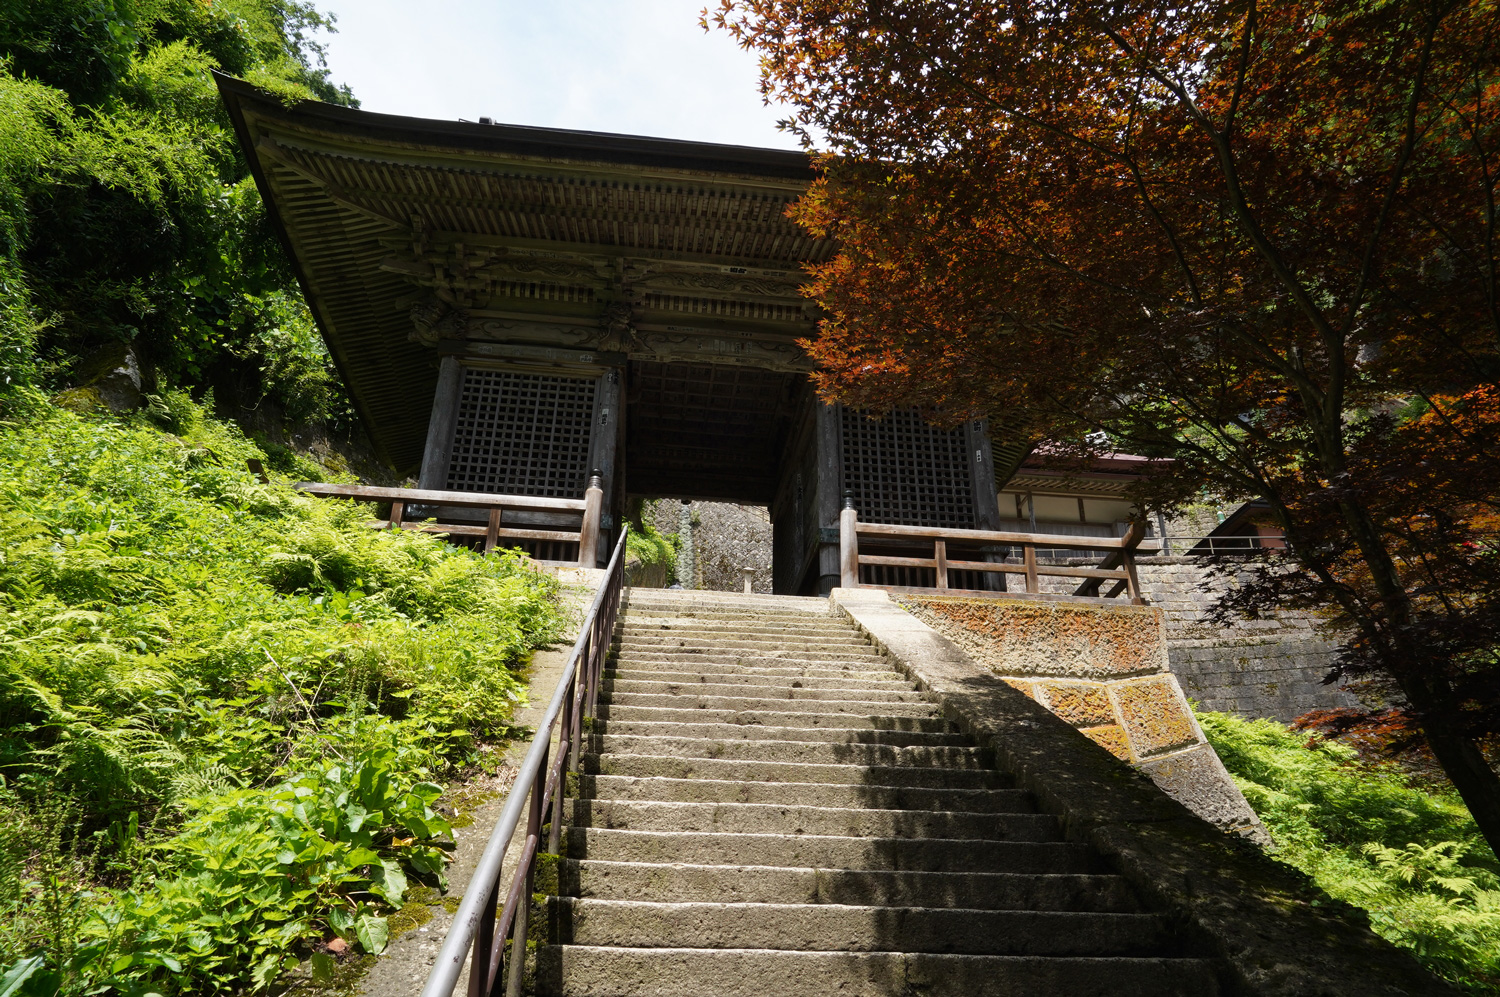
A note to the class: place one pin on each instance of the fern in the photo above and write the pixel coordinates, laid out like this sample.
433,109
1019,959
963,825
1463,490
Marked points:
1413,859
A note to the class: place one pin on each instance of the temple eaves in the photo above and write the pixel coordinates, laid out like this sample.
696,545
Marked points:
415,238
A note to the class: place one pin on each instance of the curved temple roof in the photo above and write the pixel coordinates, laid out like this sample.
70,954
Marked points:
412,237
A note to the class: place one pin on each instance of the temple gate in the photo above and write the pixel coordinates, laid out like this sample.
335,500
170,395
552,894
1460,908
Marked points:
513,309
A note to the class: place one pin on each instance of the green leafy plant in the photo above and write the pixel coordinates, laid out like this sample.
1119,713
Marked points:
239,700
1410,856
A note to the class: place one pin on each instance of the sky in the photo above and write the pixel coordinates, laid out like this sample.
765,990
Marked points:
641,67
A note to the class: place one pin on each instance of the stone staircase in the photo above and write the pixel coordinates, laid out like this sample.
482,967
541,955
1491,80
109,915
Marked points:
771,809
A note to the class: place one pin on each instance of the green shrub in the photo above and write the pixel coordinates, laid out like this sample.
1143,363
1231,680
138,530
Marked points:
650,546
223,704
1412,858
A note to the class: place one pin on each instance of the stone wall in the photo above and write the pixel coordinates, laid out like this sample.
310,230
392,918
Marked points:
1253,668
1104,670
726,538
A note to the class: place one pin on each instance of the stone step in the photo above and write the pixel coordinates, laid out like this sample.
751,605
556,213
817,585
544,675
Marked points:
848,928
686,701
808,644
731,673
771,717
679,882
812,794
811,752
818,851
730,769
698,606
865,658
793,690
760,732
776,818
608,971
804,626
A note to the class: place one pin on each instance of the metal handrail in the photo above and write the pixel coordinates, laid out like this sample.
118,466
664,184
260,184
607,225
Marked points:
477,933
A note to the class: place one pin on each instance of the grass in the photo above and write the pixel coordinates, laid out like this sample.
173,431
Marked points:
225,708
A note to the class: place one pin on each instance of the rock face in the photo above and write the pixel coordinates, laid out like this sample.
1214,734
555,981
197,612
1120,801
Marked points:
771,808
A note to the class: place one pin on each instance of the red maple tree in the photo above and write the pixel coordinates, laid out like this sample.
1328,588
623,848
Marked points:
1257,238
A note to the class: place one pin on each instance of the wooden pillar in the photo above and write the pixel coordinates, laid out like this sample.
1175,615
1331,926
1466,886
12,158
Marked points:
828,496
986,494
440,424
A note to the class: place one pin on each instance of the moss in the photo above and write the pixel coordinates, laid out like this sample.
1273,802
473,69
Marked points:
464,800
547,878
408,918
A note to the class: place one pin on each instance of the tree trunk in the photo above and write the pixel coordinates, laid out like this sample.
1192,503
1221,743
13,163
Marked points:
1462,761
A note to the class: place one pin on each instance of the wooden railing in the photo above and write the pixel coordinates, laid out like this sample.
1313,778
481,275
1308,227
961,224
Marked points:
480,926
984,553
412,509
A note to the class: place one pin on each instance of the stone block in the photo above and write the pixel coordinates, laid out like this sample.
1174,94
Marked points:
1198,779
1081,704
1021,685
1111,738
1153,714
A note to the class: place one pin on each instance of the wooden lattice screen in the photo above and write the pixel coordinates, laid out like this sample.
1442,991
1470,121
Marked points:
902,471
519,433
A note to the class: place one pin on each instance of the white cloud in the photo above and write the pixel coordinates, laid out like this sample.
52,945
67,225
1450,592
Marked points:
639,67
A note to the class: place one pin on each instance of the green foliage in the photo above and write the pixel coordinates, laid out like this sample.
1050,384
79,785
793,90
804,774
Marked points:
650,546
126,210
1412,858
223,704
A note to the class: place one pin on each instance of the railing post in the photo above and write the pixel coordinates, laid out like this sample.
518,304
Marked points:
940,563
1030,561
1133,538
398,510
492,532
849,544
567,745
484,944
523,909
588,533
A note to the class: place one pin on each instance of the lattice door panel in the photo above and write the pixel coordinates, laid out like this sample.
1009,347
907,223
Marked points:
902,471
519,433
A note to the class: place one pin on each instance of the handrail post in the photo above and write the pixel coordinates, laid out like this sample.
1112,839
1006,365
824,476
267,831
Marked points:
484,944
588,532
398,512
567,744
849,544
1133,538
1030,562
523,909
492,531
940,563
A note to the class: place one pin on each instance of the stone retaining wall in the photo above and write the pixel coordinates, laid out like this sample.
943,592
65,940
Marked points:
727,539
1253,668
1104,670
